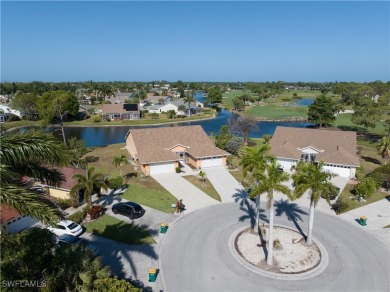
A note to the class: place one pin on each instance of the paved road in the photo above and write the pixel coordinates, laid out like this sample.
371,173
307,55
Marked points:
195,254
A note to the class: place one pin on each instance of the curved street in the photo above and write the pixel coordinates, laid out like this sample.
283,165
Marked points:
195,255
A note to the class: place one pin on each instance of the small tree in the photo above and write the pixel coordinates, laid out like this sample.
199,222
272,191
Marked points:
384,148
119,161
267,138
154,116
182,108
77,148
365,188
171,114
202,175
244,126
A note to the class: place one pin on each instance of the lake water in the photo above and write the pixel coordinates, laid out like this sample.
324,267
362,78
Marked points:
100,136
302,102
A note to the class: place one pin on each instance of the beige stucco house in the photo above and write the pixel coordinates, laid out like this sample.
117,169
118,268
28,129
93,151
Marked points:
161,150
337,149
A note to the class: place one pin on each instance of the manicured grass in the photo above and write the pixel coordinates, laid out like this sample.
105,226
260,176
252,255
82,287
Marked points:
228,101
276,111
344,122
23,123
353,204
258,142
208,113
205,187
146,192
118,230
150,193
370,159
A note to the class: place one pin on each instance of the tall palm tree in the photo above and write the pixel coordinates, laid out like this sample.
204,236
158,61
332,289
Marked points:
32,154
384,148
88,184
255,160
189,99
119,161
271,181
310,177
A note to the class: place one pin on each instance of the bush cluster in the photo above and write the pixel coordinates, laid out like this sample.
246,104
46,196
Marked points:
340,205
79,216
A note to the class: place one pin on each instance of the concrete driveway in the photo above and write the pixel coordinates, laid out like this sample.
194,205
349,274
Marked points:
193,198
225,184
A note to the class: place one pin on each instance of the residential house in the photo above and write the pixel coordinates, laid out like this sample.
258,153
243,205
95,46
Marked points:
12,221
121,111
156,100
120,97
337,149
62,191
174,105
161,150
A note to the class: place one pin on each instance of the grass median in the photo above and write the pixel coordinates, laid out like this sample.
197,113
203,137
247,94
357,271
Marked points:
205,186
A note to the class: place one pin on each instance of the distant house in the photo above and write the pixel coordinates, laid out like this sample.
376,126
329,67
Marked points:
121,111
337,149
161,150
120,97
12,221
156,100
174,105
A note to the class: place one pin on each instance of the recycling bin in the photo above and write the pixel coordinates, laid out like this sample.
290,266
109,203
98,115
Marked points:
363,220
152,274
163,228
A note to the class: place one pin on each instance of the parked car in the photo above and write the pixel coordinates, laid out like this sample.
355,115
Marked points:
130,209
71,239
66,227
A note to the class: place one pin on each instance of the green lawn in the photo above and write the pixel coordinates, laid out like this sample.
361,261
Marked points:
23,123
344,122
257,141
353,204
155,197
146,192
118,230
206,187
276,111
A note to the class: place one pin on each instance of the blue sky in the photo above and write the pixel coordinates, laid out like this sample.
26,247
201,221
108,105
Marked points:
195,41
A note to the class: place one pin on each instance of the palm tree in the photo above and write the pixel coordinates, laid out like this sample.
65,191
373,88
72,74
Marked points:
202,175
310,177
119,161
255,160
384,148
189,99
88,184
31,154
271,181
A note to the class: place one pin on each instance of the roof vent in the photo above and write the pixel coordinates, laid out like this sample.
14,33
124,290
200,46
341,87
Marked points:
337,147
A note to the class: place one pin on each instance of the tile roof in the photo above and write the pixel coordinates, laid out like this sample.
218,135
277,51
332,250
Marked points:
68,173
339,147
7,213
114,108
153,144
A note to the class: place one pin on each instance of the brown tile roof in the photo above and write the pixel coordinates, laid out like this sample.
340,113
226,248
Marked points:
114,108
152,144
339,146
68,172
8,213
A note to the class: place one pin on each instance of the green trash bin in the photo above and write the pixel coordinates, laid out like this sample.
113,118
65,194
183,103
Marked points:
152,274
163,228
363,220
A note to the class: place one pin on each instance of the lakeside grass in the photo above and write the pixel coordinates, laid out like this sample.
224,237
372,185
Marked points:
205,187
276,111
344,122
115,229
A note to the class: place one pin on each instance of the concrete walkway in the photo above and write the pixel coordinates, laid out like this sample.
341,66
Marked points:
193,198
225,184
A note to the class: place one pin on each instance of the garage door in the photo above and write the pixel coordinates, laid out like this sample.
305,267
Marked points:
162,167
285,163
210,162
340,171
20,223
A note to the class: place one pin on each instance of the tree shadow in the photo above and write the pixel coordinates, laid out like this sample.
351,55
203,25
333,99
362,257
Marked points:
292,211
118,254
240,196
371,159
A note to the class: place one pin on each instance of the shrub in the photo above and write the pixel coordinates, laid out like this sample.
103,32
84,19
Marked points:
64,203
360,173
96,119
178,170
267,138
234,144
79,216
95,212
365,188
154,116
277,244
381,175
340,205
115,183
90,158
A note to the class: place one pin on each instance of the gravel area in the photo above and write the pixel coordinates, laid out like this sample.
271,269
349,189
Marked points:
291,255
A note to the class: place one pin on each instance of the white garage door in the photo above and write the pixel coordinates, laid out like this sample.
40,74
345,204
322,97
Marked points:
20,223
285,163
162,167
210,162
340,171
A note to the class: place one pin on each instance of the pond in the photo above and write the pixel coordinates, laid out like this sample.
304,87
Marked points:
100,136
302,102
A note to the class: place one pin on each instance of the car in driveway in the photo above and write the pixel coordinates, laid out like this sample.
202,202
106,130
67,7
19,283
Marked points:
66,227
71,239
129,209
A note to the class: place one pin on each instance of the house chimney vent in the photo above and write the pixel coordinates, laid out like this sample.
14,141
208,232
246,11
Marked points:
337,147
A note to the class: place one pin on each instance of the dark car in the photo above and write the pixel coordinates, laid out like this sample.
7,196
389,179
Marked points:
129,209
